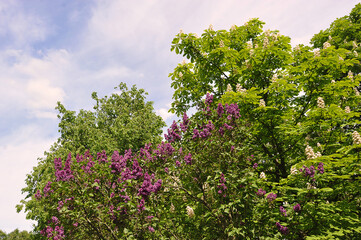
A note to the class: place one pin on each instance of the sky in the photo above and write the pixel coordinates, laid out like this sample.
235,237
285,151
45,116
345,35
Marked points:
63,50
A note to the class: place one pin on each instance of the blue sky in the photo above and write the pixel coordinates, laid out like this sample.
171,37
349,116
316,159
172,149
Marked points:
63,50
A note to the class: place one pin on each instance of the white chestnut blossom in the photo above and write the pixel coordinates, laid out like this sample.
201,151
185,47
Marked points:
326,45
357,93
274,78
319,145
333,81
347,109
180,75
229,88
184,62
262,175
329,38
262,103
320,102
265,42
350,75
172,208
181,31
356,138
354,44
233,27
316,53
294,171
355,53
340,58
318,154
310,154
310,186
249,44
190,212
210,28
221,44
240,89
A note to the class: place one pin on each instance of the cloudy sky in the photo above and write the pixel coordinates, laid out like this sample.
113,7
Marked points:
63,50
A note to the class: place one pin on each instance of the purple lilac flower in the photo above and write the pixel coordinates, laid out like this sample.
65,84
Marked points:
185,123
271,197
177,163
282,229
228,126
173,133
47,189
141,206
283,210
233,110
255,165
209,99
221,131
38,195
166,170
195,134
297,207
220,110
261,192
102,157
222,187
188,159
320,168
150,217
60,173
309,171
151,229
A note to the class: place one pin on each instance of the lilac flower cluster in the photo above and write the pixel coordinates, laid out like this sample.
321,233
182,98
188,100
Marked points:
222,187
184,125
147,187
311,170
271,197
282,229
164,150
55,233
297,207
320,168
102,157
232,110
283,210
205,132
188,159
261,192
87,168
47,189
118,162
61,174
220,110
173,133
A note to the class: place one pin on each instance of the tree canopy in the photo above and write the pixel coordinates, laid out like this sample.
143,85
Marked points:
272,152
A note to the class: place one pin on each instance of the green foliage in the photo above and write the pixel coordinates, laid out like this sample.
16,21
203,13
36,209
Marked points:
273,151
16,235
119,122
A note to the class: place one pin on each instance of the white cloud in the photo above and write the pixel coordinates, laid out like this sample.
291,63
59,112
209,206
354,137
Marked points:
20,26
17,156
163,112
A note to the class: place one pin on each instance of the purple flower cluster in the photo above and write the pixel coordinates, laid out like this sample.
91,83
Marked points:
222,187
205,132
61,174
261,192
188,159
118,162
164,150
255,165
220,110
184,125
232,110
55,233
283,210
147,187
297,207
173,133
271,197
89,165
47,189
209,99
320,168
102,157
311,170
282,229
